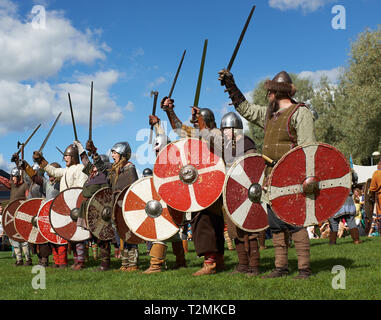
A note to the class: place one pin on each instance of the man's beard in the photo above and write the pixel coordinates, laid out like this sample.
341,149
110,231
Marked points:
272,107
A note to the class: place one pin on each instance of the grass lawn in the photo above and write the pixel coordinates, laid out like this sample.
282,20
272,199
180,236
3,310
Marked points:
361,262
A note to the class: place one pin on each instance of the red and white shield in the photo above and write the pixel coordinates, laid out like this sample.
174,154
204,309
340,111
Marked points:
309,184
44,225
188,176
147,215
123,230
64,212
242,193
8,220
26,221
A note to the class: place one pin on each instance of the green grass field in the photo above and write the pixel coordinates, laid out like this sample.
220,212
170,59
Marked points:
361,262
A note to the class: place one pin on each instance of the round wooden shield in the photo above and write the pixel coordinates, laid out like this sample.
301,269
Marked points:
63,214
242,193
147,215
309,184
123,230
44,225
99,214
26,221
188,176
8,220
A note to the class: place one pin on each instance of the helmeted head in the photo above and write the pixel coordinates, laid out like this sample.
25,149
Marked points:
208,117
37,168
15,175
161,140
71,155
281,85
231,120
120,150
147,172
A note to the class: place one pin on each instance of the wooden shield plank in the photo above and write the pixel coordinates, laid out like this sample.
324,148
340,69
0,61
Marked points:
44,225
8,220
309,184
147,215
123,230
61,215
188,176
26,221
99,214
242,193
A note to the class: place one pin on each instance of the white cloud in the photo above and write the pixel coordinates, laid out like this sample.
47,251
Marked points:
25,105
6,166
29,53
305,5
130,106
333,75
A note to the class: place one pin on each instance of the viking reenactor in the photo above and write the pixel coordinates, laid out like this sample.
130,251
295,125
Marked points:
233,144
121,174
18,190
158,249
96,181
347,213
49,189
71,176
287,124
375,196
208,224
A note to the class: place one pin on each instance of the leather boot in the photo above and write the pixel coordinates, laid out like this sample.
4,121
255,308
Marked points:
262,240
228,241
302,247
185,246
178,251
29,262
254,258
332,238
243,259
280,242
355,235
209,266
19,263
157,253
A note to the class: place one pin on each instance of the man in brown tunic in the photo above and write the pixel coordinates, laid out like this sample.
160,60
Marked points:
287,124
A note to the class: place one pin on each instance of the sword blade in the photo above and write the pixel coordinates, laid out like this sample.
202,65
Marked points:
91,113
60,151
72,118
200,74
240,39
177,74
155,93
49,133
27,140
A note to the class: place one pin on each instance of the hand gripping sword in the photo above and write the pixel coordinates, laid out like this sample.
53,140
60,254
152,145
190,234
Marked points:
49,133
199,81
240,39
155,94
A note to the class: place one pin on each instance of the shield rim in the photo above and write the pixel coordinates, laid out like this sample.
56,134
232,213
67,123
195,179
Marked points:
235,164
181,140
288,153
124,190
50,220
87,212
43,204
29,200
3,217
124,201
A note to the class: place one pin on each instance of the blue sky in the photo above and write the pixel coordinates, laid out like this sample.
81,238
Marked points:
129,48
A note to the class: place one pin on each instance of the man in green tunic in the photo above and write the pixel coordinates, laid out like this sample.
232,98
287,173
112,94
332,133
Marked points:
287,124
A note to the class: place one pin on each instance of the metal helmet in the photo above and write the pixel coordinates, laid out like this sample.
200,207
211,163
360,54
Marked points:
72,151
15,172
147,172
123,148
37,168
161,140
105,158
231,120
208,117
281,83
